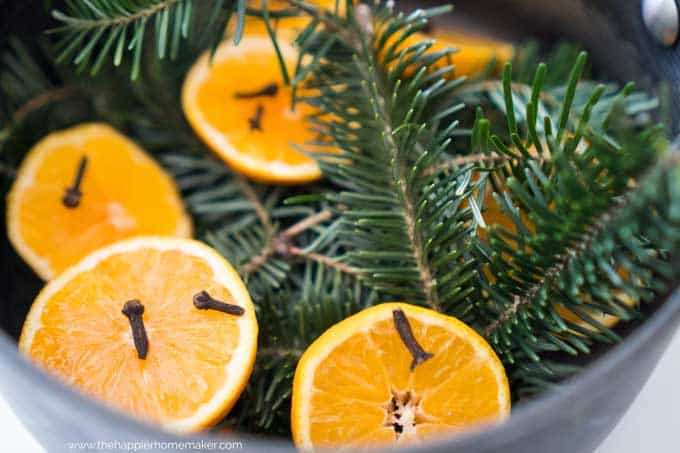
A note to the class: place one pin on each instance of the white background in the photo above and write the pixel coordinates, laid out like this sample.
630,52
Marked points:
652,424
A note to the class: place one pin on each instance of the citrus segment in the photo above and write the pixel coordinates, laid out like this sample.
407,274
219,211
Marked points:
240,107
122,193
357,384
198,360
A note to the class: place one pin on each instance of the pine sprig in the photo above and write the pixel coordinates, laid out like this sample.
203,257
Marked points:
406,233
576,248
96,30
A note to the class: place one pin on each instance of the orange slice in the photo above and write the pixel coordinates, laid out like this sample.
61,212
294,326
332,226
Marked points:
285,27
604,319
473,53
123,193
252,133
356,386
197,360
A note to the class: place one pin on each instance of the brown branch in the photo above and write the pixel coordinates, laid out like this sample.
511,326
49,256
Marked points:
323,259
255,201
258,260
266,253
281,245
41,100
483,158
307,223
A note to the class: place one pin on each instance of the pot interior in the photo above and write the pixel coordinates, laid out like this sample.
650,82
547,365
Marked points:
611,31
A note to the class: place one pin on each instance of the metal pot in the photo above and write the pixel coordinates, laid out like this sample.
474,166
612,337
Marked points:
574,417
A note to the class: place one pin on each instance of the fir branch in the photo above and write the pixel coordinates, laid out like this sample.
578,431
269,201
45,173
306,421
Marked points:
578,223
561,264
255,201
294,316
281,245
94,30
405,233
41,100
322,259
109,20
375,88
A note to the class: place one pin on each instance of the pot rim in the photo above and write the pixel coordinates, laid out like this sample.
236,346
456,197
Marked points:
527,417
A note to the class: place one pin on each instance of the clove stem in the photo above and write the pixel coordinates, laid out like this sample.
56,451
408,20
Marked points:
134,310
406,334
255,121
203,301
269,90
72,194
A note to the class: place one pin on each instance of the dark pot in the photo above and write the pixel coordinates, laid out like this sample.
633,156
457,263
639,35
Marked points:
574,417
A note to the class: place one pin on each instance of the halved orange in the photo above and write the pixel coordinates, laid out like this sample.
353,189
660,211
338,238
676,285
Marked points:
240,107
197,360
364,383
122,193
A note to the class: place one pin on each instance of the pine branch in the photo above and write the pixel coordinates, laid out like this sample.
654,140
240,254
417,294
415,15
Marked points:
93,31
321,259
460,161
281,244
379,93
256,203
407,235
562,263
580,242
489,94
25,87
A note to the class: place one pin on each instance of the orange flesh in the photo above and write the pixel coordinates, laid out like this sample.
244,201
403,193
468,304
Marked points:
284,27
223,120
81,335
125,193
474,53
280,124
354,384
